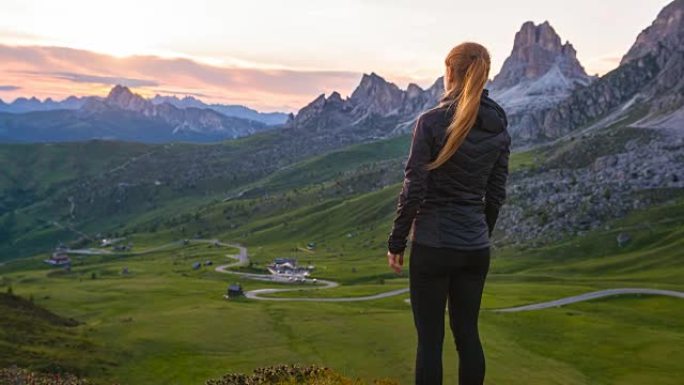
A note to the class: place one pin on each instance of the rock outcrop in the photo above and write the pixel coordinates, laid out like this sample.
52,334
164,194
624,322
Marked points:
537,49
667,30
539,73
647,88
663,42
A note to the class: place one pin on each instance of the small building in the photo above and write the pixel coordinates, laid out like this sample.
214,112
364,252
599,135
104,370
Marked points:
123,247
234,291
196,265
59,257
623,239
208,263
287,267
107,242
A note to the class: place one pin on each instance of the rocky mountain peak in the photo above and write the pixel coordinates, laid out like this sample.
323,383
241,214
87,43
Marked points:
666,30
334,97
542,35
539,73
371,80
319,102
122,97
119,91
376,95
536,50
413,90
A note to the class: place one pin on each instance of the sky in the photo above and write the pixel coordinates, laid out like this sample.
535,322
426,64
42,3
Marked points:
278,55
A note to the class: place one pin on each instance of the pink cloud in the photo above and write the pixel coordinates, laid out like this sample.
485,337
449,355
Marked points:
58,72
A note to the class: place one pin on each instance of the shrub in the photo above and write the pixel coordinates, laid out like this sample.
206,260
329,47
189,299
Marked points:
292,375
19,376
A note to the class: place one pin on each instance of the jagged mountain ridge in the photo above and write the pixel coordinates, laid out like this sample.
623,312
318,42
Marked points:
22,105
376,104
648,83
539,73
542,86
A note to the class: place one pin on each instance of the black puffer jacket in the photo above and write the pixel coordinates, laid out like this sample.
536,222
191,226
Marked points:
457,204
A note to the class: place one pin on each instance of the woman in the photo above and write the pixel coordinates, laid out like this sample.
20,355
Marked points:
454,185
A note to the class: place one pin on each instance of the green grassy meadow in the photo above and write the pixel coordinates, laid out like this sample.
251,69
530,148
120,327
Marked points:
165,323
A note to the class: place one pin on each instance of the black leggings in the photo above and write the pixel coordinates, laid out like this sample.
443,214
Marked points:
438,273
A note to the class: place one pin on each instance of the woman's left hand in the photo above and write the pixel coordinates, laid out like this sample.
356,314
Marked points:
395,261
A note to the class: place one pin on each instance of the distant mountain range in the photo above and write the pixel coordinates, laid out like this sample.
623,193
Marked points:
23,105
123,115
234,110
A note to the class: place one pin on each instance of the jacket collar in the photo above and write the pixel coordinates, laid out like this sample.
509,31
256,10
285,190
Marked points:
449,101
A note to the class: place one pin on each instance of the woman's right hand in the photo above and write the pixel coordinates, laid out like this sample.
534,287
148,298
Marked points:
395,261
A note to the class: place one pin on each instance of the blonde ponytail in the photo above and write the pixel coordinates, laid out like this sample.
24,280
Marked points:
467,72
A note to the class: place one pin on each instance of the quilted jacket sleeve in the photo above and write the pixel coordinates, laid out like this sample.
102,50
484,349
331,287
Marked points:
496,186
413,189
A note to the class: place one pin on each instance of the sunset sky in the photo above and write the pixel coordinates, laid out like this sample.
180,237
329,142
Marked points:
278,55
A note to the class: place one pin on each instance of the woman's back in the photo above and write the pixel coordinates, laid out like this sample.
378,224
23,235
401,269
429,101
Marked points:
459,201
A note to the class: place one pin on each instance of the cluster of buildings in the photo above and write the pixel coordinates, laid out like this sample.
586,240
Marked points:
59,257
288,268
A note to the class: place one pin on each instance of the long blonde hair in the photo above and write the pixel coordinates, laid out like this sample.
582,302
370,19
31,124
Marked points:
467,70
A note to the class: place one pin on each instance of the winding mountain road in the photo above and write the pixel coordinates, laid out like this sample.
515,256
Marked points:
589,296
242,260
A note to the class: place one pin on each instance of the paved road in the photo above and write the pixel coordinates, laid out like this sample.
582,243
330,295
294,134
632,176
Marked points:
241,259
590,296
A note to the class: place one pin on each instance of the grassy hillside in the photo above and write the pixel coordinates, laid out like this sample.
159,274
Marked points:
32,336
137,194
61,192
